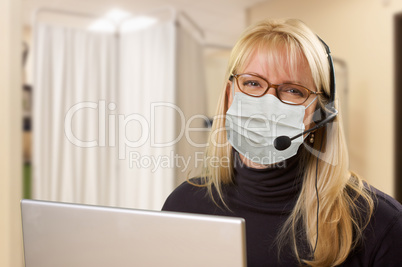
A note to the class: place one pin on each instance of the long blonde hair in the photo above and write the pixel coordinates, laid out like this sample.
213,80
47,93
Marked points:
339,224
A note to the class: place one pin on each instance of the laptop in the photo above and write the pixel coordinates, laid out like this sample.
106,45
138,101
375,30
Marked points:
75,235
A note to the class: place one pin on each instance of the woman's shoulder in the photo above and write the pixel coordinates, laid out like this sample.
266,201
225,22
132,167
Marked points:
381,244
383,205
382,235
387,215
190,196
386,208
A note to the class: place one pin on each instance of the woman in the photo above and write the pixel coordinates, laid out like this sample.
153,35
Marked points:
301,203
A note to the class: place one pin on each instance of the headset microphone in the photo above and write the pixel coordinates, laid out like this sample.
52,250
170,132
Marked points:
283,142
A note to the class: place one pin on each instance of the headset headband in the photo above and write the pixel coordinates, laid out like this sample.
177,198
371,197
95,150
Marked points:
331,73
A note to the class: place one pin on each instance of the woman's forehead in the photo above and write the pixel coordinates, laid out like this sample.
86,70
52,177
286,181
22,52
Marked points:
278,62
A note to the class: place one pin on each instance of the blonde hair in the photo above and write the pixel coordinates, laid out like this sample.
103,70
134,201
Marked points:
339,224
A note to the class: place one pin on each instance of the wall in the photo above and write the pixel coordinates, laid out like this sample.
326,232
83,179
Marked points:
10,134
216,61
361,33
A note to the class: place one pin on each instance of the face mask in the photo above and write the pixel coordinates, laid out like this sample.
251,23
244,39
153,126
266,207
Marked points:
253,123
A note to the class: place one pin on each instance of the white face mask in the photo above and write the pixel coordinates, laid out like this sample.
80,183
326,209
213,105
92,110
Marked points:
253,123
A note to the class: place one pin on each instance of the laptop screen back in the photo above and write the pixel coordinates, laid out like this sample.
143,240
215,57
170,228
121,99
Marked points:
61,234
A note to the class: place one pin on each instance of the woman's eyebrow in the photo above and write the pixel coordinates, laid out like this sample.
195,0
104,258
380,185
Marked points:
294,82
258,74
299,82
286,81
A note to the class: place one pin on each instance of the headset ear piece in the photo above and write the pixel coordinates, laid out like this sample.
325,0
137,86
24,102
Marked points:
318,115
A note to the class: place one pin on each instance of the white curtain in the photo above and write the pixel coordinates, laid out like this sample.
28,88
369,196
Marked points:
109,111
147,76
73,77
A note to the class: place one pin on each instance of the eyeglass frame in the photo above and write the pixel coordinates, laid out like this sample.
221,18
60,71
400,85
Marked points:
272,85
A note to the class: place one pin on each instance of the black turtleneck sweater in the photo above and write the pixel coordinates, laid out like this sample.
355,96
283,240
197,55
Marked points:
265,198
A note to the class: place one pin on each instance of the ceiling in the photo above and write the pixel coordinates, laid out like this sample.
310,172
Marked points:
221,20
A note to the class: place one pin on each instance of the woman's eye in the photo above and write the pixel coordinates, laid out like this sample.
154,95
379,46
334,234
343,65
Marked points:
251,84
294,91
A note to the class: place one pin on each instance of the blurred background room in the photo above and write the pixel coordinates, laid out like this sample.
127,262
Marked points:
118,96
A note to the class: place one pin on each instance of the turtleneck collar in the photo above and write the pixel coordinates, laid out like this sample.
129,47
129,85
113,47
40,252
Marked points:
277,185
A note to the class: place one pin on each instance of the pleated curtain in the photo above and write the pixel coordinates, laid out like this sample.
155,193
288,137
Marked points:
108,110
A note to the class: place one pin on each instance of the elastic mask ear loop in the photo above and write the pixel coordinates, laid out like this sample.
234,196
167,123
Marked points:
311,103
233,88
233,95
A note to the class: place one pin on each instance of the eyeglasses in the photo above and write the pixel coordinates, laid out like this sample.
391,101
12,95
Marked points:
288,93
